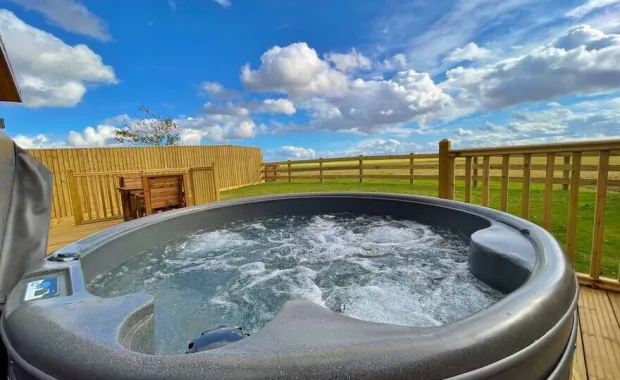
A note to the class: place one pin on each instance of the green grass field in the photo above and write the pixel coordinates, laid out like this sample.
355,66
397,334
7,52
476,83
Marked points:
587,196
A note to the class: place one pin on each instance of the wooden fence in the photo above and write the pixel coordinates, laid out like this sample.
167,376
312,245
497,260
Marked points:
238,166
94,196
571,165
358,167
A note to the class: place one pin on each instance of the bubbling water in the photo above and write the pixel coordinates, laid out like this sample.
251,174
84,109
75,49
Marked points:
372,268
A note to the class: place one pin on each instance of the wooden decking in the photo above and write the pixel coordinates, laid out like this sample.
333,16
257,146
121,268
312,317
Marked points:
598,345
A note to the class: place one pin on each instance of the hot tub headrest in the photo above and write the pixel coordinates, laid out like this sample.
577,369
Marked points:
25,201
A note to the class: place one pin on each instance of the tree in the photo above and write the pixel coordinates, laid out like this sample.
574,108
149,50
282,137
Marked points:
152,129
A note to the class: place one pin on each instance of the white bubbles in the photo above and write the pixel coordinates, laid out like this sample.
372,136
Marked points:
371,268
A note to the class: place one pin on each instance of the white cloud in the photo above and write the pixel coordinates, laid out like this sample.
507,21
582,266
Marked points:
582,61
283,106
102,135
351,61
339,103
216,128
172,4
36,142
223,3
426,40
584,120
217,91
295,152
295,69
463,132
469,52
590,6
48,71
69,15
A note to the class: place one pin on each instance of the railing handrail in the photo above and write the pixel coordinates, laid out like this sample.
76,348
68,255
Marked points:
566,147
353,158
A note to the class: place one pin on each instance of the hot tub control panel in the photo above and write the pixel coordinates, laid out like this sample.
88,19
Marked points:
42,288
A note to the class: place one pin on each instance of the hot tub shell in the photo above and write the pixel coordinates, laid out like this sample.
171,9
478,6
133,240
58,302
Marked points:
530,333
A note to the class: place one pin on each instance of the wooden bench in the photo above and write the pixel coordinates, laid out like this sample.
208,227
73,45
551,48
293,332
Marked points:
132,196
164,192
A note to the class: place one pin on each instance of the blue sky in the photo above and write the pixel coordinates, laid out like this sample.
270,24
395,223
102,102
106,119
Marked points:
312,78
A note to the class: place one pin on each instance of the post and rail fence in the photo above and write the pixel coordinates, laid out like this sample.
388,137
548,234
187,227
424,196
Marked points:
571,165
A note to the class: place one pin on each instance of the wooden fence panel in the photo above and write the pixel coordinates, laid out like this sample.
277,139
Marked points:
238,166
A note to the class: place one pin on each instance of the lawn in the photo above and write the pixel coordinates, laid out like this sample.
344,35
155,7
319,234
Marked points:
428,187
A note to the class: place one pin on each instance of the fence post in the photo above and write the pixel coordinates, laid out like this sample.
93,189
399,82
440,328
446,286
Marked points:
321,169
216,180
566,172
192,185
444,168
76,204
289,170
361,160
411,168
188,194
475,181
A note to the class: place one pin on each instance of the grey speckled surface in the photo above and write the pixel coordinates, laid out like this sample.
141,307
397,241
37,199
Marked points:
521,336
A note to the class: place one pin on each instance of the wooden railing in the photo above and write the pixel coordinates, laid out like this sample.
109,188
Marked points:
549,168
94,196
572,156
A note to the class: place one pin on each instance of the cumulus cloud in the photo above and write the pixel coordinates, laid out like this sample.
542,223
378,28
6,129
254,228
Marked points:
216,128
217,91
102,135
469,52
69,15
36,142
337,102
49,72
350,61
590,6
583,61
281,106
295,152
296,70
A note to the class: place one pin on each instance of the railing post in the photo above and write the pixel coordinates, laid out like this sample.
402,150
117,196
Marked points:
361,162
573,207
599,215
475,181
76,203
444,168
289,170
192,186
411,169
549,178
216,180
321,169
566,172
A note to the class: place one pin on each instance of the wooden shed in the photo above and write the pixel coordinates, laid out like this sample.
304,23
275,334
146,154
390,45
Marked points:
9,92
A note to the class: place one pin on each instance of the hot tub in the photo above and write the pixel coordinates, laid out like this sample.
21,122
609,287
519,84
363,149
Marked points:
54,327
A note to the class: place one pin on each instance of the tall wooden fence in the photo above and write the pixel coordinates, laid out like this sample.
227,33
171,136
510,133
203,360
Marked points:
238,166
566,166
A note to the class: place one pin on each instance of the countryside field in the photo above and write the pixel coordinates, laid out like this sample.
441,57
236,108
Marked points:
428,187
